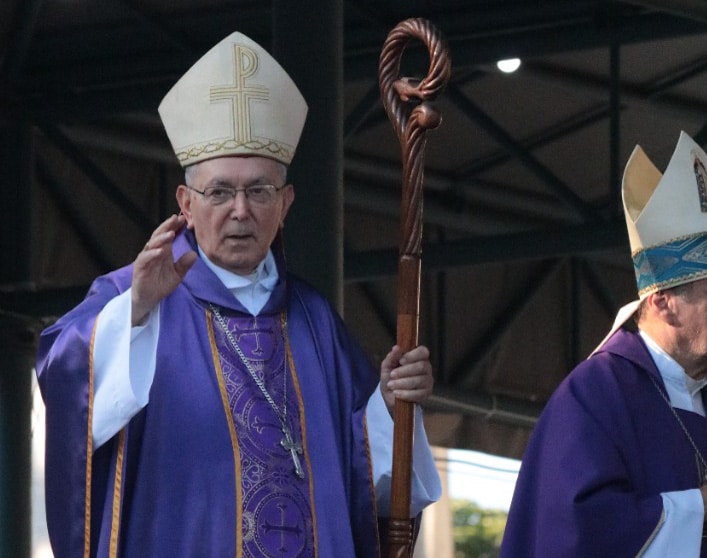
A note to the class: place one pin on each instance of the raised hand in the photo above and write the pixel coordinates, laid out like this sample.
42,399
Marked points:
155,273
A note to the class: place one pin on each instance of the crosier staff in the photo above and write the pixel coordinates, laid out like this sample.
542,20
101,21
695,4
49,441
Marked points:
406,102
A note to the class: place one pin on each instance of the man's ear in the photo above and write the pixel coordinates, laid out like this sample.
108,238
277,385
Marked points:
662,304
288,196
184,199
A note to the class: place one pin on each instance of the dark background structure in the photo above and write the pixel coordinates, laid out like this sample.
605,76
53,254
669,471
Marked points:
525,257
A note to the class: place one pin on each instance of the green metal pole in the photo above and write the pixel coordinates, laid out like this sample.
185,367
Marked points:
17,341
308,43
17,350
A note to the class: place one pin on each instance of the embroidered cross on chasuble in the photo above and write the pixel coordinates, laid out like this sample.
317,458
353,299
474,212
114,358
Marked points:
275,506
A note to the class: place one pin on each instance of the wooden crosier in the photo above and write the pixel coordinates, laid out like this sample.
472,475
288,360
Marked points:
406,102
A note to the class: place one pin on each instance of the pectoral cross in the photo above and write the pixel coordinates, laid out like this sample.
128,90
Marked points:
294,448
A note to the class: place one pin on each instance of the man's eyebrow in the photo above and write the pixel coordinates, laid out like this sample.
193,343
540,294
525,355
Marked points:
221,181
218,181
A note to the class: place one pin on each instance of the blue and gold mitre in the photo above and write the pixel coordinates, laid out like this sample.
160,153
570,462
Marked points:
666,217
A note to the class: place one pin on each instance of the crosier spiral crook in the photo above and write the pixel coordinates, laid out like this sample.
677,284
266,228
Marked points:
408,107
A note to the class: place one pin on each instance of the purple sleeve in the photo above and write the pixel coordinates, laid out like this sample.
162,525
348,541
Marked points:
65,380
578,493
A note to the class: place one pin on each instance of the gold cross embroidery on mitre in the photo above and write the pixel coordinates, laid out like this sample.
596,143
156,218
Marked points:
245,64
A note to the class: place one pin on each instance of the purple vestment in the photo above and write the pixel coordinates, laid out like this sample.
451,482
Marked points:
605,447
180,479
277,510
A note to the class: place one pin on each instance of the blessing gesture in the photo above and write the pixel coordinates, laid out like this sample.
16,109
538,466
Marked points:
155,273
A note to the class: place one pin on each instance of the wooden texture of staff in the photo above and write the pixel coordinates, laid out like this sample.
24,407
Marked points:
407,102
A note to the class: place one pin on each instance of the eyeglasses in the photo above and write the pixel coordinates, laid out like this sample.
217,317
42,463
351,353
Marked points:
261,194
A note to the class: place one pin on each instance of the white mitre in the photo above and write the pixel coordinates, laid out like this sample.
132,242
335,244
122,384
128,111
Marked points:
235,100
666,219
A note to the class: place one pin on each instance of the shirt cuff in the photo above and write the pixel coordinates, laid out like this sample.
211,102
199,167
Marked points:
123,366
680,532
426,487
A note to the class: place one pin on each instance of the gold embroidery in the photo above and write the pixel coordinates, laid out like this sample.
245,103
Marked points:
117,488
89,451
371,484
701,179
652,536
232,431
269,148
245,64
303,427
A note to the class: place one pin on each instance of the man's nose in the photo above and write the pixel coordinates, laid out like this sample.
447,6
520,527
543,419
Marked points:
240,205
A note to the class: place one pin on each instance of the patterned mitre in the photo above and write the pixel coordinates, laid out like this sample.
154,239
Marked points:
235,100
666,217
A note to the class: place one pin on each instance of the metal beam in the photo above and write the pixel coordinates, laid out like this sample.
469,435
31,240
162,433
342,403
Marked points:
386,318
650,96
474,219
597,284
142,146
136,80
371,175
499,408
693,9
525,246
583,240
491,44
362,111
467,371
554,184
63,200
98,177
373,185
569,125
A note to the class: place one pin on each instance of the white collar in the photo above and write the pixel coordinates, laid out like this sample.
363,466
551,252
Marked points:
265,274
669,369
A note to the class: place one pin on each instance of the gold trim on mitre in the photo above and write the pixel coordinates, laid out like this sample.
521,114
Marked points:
235,100
666,217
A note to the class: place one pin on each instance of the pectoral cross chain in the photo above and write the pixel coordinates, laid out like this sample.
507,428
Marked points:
287,442
294,448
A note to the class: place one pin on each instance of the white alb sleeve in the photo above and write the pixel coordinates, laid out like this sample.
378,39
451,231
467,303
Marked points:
680,532
123,366
426,485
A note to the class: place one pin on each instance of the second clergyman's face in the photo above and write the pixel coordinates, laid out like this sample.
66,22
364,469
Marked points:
690,311
236,234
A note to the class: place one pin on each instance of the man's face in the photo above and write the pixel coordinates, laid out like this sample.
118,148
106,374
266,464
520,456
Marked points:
237,234
691,332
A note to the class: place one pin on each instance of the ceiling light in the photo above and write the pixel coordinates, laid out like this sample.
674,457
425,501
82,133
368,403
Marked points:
508,66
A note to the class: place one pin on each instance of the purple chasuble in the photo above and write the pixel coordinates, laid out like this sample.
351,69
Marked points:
277,511
200,470
605,447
